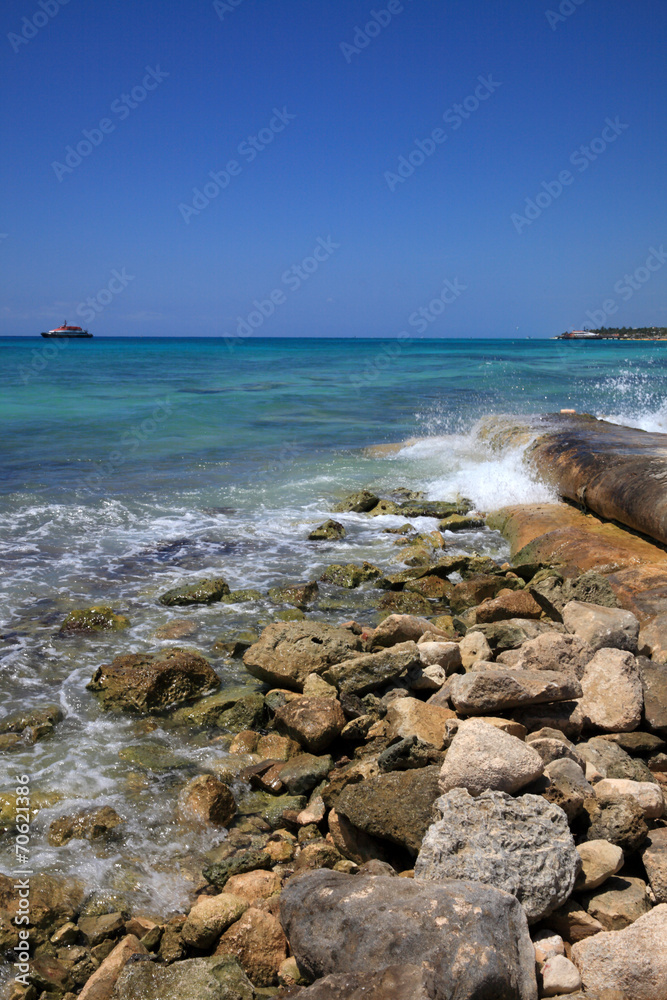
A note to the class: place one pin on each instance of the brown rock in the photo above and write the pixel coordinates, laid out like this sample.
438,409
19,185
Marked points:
489,691
618,903
182,628
258,942
573,922
91,824
469,593
654,683
254,886
369,671
654,856
509,604
101,984
313,722
153,682
410,717
210,916
287,652
404,628
353,843
207,800
53,902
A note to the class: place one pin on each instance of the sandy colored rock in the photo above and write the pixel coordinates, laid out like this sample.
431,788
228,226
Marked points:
490,691
599,861
207,800
630,964
483,757
554,651
573,922
559,975
315,686
602,627
153,682
474,647
654,683
313,722
253,886
211,915
182,628
288,652
547,944
258,943
443,654
403,628
648,795
612,691
619,820
408,717
654,856
618,903
101,984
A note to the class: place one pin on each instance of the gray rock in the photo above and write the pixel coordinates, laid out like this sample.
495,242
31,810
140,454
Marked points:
217,978
612,761
654,682
489,691
396,982
613,697
473,939
553,748
397,806
482,757
287,652
620,821
521,845
563,715
602,627
512,633
372,670
567,786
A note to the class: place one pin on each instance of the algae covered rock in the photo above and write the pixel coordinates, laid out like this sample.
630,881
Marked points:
349,575
402,602
214,978
99,618
358,503
298,594
330,531
202,592
91,824
153,682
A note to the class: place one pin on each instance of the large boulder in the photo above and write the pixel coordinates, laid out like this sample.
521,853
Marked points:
485,692
471,939
396,982
397,806
364,673
313,722
521,845
630,964
153,682
612,691
287,652
217,978
483,757
602,627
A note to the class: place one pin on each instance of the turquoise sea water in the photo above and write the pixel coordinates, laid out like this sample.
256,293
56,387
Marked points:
129,465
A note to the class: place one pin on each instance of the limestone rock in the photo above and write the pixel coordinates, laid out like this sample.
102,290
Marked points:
253,886
620,821
511,633
490,691
472,938
602,627
304,771
559,976
287,653
654,683
372,670
153,682
403,628
483,757
567,787
313,722
354,843
618,903
195,978
612,691
330,531
258,943
201,592
630,964
565,716
210,916
396,982
508,604
647,794
443,654
573,922
350,575
473,647
599,861
315,686
207,800
654,856
521,845
427,678
246,861
612,761
360,502
407,717
397,806
553,651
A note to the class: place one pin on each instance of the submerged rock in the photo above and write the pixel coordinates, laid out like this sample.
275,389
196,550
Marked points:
215,978
153,682
99,618
349,575
460,939
298,594
330,531
91,824
202,592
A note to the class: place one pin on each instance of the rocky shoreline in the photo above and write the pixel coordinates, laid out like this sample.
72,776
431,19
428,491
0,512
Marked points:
465,798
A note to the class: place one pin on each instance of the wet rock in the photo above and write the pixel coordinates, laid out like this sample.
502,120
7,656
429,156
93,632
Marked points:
599,861
555,651
358,503
207,800
368,671
612,691
654,856
508,604
473,648
99,618
483,757
559,976
397,806
403,602
397,629
91,824
470,593
153,682
300,595
330,531
235,642
408,717
210,916
154,757
95,930
101,984
257,942
399,922
433,588
630,964
489,691
276,747
512,633
195,978
521,845
220,710
241,596
180,629
172,946
349,575
461,522
245,861
647,794
619,903
269,807
29,726
654,683
602,627
286,654
620,821
201,592
313,722
53,902
317,854
404,982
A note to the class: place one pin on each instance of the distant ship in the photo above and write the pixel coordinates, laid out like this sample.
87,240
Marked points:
67,331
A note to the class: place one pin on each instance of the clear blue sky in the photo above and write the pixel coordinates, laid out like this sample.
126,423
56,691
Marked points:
329,172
